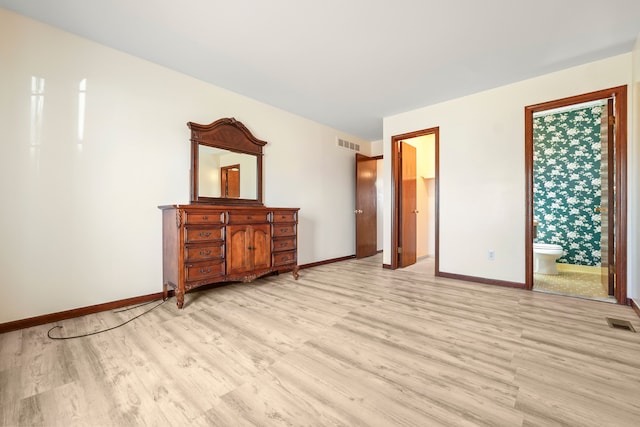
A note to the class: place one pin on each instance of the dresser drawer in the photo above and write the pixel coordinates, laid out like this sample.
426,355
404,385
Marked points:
283,230
286,244
204,234
285,216
248,217
283,258
201,253
202,217
202,271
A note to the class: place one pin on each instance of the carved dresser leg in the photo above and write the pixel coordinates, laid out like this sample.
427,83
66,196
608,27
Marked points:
179,298
295,272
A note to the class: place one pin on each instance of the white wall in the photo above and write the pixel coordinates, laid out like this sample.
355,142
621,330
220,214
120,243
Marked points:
81,224
208,181
482,187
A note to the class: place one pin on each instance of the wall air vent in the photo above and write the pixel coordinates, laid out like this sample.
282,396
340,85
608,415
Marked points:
348,145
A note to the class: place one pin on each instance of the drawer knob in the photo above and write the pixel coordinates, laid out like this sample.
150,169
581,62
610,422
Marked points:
205,270
282,245
205,252
204,217
205,233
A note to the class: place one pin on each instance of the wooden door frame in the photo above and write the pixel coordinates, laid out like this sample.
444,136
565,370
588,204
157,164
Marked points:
620,94
396,182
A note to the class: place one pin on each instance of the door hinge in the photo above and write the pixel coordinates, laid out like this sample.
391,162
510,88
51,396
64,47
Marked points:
399,250
612,120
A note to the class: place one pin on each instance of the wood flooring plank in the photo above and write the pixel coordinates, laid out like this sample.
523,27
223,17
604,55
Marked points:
270,400
433,341
11,346
404,363
62,406
588,385
567,406
365,399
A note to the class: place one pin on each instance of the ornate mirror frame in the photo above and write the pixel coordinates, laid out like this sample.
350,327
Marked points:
228,134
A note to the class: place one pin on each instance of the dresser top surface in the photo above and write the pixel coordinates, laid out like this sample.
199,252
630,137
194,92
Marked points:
224,207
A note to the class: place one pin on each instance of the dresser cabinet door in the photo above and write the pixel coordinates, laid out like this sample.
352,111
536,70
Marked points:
248,248
261,246
238,238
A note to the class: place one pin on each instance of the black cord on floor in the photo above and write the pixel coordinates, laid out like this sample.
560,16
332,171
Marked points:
108,329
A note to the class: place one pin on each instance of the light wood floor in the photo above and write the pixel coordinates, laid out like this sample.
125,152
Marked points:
348,344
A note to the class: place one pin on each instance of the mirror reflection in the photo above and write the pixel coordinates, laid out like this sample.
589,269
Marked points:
226,174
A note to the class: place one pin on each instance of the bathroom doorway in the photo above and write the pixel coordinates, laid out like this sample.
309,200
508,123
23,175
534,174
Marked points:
576,204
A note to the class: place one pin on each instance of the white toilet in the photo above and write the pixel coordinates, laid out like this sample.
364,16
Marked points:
545,256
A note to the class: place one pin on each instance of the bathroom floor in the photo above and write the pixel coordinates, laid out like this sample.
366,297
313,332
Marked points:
581,284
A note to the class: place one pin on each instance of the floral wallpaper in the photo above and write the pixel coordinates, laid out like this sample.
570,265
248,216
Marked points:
566,183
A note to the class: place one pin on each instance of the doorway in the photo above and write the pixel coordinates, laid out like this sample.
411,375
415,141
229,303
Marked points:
414,174
366,211
230,181
576,195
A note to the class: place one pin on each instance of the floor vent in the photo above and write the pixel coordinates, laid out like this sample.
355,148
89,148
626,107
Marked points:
348,145
620,324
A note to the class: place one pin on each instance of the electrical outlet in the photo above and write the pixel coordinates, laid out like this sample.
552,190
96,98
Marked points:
491,255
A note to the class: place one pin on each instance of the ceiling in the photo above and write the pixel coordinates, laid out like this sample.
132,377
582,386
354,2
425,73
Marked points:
349,63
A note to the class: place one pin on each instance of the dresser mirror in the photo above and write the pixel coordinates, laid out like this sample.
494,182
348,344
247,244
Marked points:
226,164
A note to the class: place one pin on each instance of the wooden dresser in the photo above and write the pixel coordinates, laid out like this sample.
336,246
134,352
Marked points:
204,244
